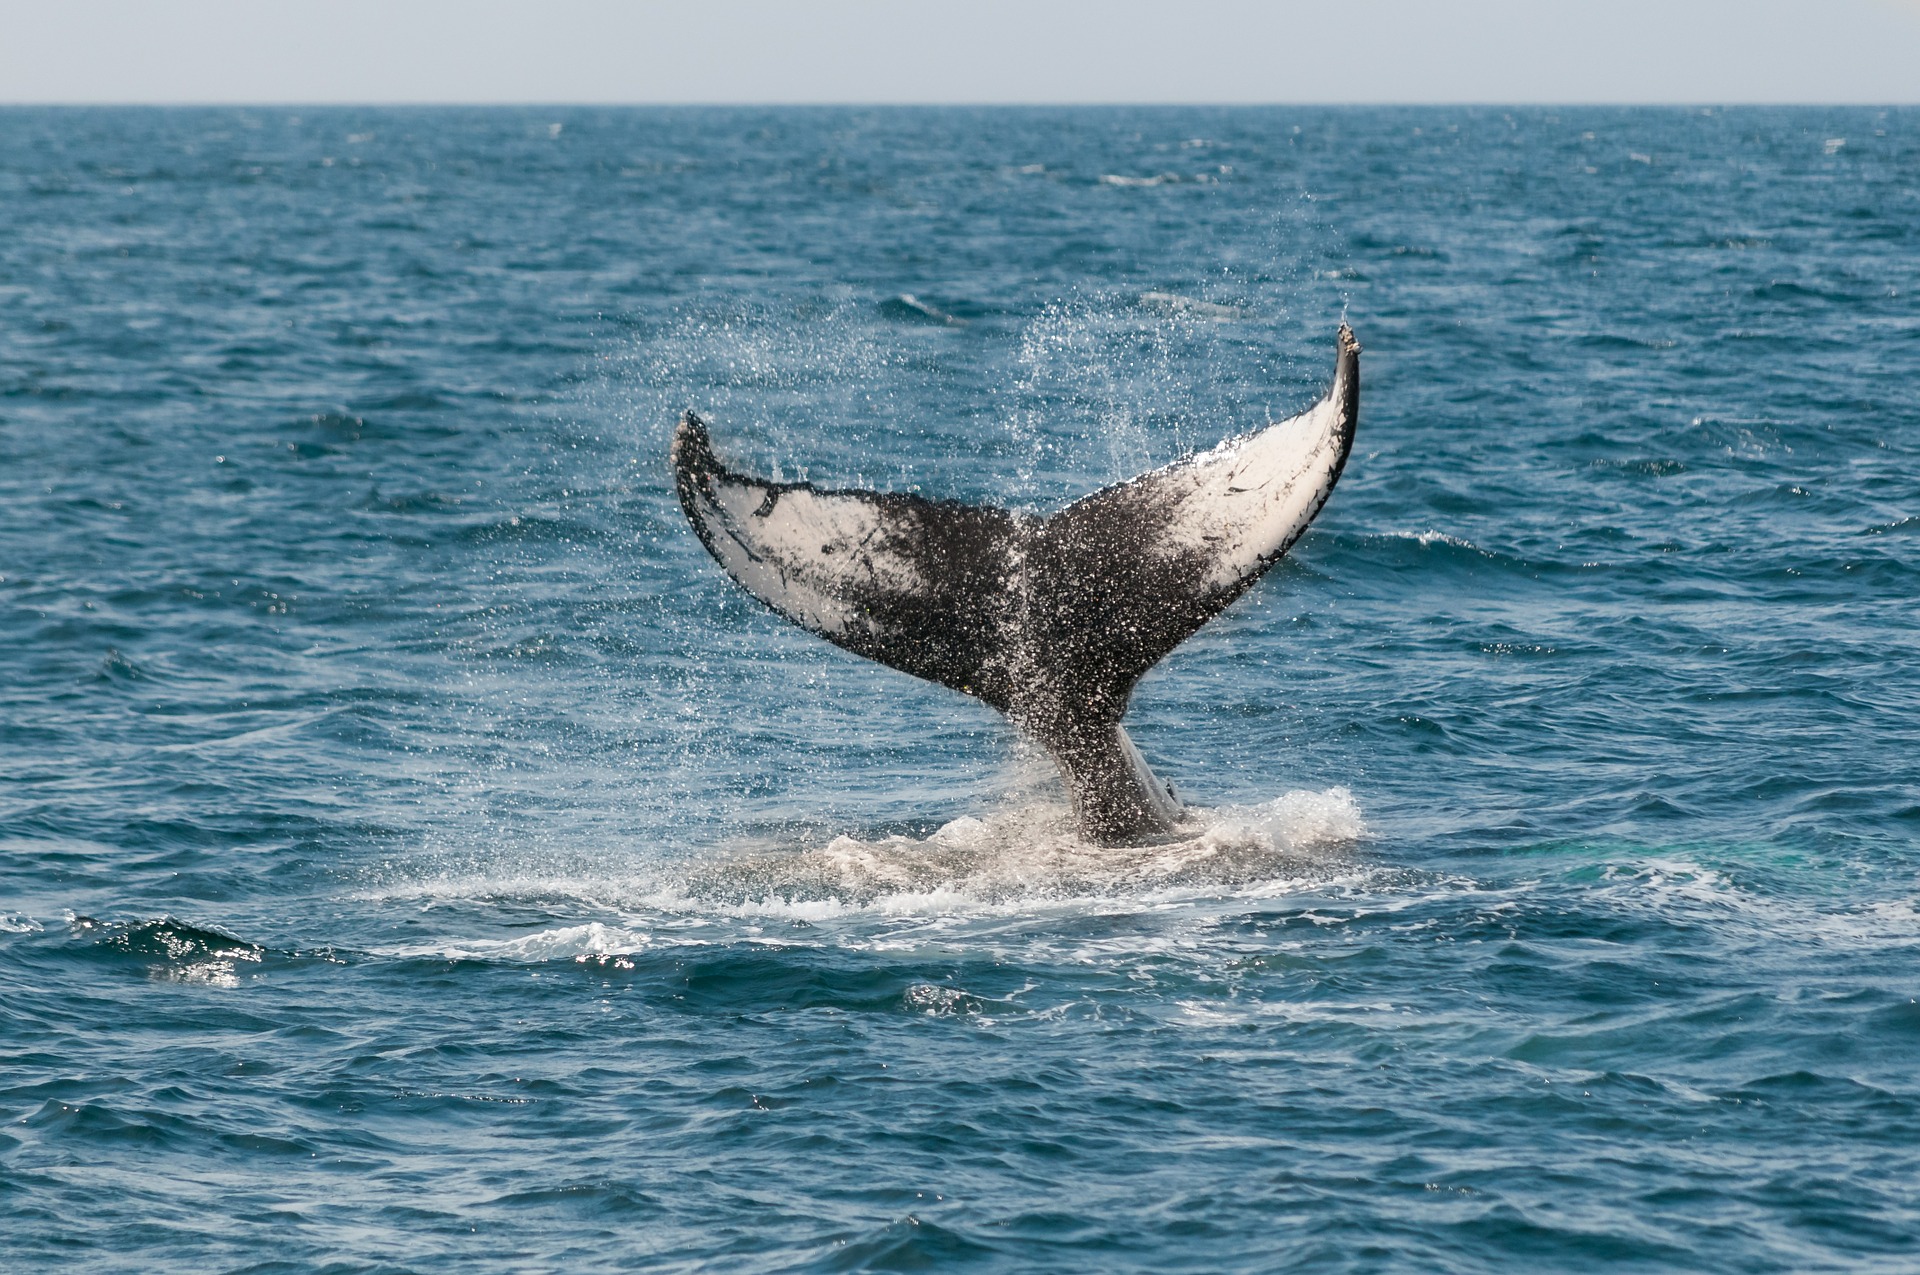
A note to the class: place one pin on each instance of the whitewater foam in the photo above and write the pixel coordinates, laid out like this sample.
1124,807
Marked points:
1030,854
1021,860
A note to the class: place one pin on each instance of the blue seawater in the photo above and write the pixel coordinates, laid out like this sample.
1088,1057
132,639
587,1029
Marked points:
417,856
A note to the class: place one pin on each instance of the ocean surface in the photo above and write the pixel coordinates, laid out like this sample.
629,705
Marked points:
415,855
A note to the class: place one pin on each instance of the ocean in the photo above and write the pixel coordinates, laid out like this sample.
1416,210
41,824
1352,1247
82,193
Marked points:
416,855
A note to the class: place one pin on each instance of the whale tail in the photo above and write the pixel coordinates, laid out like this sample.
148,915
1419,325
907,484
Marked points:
1050,620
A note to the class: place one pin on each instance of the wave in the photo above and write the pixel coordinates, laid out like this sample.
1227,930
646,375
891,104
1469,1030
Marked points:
171,949
1190,305
594,941
911,309
1433,550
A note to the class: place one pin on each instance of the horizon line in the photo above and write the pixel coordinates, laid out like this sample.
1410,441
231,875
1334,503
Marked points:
803,104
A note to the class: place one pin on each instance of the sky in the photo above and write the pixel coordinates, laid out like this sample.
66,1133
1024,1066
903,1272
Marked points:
960,51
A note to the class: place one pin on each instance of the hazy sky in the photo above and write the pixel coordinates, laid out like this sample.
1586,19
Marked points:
972,51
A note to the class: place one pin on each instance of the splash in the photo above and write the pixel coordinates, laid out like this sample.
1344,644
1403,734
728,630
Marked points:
1030,855
172,950
1022,859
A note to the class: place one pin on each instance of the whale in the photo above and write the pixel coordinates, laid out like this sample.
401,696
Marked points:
1050,619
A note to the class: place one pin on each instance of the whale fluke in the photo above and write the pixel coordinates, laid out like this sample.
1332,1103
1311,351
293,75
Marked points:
1050,620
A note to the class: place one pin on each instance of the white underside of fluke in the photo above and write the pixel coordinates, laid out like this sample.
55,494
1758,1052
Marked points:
1243,504
1252,497
1238,507
804,552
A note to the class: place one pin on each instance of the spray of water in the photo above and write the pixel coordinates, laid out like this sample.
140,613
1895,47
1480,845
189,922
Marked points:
626,700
